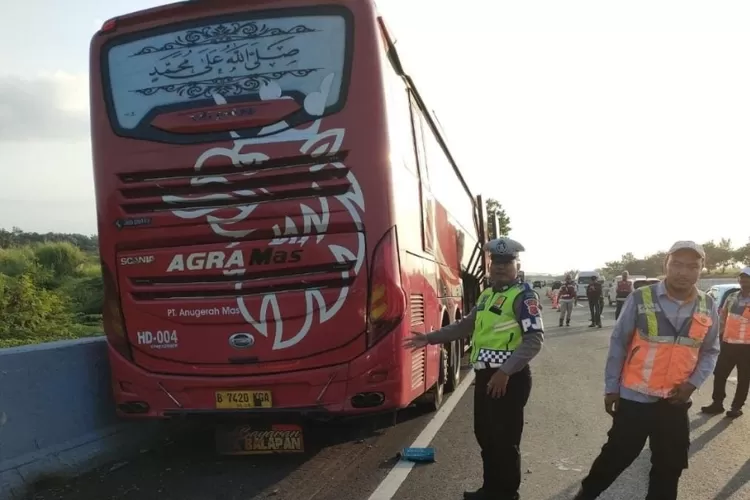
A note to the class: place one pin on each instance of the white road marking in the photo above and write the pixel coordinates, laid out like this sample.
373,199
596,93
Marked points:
387,489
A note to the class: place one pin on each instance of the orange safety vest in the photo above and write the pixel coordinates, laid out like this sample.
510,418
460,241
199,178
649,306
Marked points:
660,356
737,326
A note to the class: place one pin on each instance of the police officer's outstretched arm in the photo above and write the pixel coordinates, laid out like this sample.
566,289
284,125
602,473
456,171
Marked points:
462,329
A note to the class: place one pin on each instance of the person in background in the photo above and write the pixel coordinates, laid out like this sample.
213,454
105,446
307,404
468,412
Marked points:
735,350
601,297
594,294
566,299
663,347
623,290
507,333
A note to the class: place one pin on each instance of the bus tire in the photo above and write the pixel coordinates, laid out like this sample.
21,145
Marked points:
454,366
433,399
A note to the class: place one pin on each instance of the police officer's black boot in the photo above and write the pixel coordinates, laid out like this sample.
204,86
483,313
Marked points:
479,494
713,409
734,413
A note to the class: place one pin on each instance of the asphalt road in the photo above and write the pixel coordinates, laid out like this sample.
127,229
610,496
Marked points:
565,428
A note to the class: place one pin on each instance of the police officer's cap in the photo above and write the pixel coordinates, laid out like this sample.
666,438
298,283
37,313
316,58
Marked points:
504,249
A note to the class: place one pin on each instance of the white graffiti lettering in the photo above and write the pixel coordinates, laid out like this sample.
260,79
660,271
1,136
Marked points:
245,154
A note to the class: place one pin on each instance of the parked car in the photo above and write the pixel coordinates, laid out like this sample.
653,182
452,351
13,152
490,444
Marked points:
537,284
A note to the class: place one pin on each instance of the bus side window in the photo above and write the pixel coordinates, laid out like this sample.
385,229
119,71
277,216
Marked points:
427,199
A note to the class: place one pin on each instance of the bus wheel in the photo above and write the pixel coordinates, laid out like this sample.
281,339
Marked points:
433,399
454,366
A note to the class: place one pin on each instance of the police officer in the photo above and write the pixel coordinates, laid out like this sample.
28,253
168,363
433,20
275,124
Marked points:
507,330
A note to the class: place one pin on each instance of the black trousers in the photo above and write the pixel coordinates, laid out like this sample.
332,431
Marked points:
595,306
498,426
667,428
618,308
732,355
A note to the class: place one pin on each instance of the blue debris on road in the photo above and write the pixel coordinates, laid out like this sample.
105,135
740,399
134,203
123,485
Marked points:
418,454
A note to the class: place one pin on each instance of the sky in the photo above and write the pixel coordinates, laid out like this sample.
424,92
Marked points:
601,127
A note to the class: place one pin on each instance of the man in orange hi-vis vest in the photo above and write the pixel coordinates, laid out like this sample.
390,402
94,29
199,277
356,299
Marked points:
663,347
735,350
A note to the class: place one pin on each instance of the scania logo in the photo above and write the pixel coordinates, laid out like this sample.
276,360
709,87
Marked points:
241,340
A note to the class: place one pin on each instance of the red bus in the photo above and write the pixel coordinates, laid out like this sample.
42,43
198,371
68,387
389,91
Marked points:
277,210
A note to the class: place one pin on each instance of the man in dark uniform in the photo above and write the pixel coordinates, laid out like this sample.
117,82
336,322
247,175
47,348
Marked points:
508,333
594,294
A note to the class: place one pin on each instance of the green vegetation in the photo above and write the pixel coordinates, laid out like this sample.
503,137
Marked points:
50,287
496,216
722,260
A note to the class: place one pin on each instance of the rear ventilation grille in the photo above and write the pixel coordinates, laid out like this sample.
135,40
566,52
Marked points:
417,369
225,186
417,309
187,173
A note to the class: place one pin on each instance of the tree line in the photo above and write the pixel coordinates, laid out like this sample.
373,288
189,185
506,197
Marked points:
721,258
50,287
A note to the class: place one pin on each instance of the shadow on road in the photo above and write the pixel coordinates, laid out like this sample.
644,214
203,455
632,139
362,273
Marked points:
735,484
701,441
189,468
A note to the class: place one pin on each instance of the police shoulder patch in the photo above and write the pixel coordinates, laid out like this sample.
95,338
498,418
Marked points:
532,305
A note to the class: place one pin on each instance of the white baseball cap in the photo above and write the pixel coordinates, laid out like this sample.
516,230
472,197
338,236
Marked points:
745,270
688,245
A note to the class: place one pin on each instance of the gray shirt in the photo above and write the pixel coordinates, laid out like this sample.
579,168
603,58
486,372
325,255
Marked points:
529,348
677,313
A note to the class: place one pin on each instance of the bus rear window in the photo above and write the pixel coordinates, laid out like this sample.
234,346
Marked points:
241,59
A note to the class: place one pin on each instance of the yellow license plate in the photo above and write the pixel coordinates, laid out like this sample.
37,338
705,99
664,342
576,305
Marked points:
240,400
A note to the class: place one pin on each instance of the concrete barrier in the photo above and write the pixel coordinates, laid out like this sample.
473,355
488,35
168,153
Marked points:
57,415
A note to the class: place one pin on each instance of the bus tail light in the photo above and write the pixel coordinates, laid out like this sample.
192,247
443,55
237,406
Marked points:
114,322
108,26
387,303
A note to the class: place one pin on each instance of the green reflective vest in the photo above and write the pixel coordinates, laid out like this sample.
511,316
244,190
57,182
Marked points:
496,330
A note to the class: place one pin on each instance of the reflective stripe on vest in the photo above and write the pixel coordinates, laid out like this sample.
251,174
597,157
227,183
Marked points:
737,326
661,357
496,330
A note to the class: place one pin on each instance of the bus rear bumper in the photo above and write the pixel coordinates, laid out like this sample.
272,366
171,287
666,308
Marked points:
316,393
